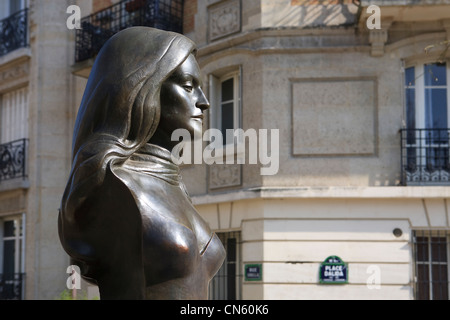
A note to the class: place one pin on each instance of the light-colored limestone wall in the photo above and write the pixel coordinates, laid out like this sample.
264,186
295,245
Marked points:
291,242
338,116
299,13
338,109
52,99
250,15
12,202
336,98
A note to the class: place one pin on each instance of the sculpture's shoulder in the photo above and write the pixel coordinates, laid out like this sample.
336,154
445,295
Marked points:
98,232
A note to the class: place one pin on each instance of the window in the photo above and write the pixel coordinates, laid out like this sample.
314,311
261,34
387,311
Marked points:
431,264
426,120
14,115
225,99
9,7
11,257
226,284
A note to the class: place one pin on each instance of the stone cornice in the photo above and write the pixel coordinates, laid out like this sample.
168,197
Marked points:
392,192
259,41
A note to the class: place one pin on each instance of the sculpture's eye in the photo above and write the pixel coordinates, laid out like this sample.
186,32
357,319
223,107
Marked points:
188,88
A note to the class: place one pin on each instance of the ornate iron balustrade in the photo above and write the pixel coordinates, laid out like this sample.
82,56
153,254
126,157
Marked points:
14,32
425,156
11,286
97,28
13,159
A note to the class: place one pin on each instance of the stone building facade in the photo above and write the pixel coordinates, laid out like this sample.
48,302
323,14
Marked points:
361,128
38,102
354,102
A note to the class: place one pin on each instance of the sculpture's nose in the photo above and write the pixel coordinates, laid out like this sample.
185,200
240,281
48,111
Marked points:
202,102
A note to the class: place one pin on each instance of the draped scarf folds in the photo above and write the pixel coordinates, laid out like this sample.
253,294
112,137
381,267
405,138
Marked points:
155,161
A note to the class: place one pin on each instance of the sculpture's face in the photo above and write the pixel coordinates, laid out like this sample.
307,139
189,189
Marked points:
183,100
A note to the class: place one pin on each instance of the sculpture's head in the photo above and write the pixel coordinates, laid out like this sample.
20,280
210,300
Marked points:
144,84
182,104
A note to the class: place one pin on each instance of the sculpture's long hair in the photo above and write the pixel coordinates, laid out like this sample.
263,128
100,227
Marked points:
120,109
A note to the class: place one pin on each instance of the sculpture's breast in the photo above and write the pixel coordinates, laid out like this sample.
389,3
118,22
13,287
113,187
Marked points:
174,236
170,248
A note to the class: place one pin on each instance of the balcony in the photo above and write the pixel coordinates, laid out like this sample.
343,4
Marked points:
14,32
13,160
425,156
97,28
12,286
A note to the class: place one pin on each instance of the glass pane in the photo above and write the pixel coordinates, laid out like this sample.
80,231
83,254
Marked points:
436,108
8,258
422,248
14,6
227,117
227,90
231,266
231,246
423,282
225,284
411,159
440,286
437,159
409,77
435,74
410,108
8,228
438,249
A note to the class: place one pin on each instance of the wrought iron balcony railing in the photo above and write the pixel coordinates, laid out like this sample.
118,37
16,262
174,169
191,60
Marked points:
425,156
97,28
14,32
12,286
13,159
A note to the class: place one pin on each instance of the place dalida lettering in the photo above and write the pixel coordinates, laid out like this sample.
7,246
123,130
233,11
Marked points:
334,271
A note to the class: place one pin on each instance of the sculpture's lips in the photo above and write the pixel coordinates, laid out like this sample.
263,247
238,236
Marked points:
200,116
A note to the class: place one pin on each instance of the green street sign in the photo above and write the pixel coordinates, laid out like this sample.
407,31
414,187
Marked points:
333,271
253,272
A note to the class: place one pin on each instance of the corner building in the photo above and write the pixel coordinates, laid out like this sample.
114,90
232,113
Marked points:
363,118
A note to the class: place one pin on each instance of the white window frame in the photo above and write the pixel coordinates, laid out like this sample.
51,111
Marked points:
19,259
420,105
215,87
419,86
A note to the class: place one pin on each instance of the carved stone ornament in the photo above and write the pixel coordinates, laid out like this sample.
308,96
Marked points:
224,19
14,75
224,175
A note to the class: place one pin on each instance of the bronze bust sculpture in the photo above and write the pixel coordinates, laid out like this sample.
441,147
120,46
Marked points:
126,219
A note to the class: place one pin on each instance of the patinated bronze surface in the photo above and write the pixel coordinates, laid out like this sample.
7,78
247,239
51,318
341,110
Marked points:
126,219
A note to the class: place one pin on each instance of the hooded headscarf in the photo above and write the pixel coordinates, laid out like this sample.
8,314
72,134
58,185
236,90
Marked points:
120,109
